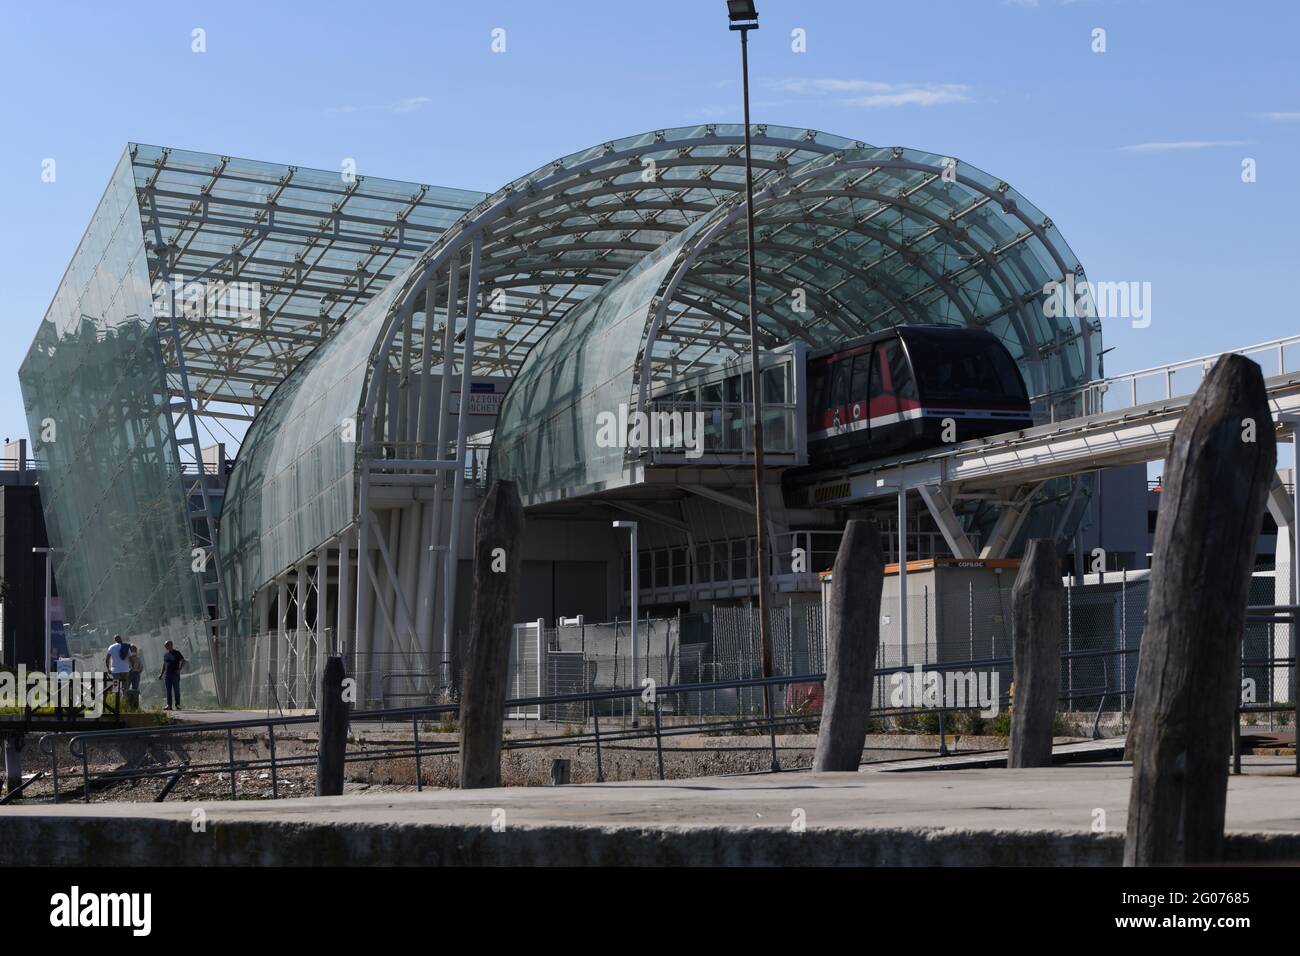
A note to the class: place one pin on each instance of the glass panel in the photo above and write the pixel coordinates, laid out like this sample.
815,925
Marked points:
861,370
900,372
966,368
96,400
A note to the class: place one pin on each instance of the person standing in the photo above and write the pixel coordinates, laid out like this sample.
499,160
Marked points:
117,661
173,664
136,660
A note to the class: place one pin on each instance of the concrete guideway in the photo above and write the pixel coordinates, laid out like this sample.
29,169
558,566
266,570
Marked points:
1016,459
1039,817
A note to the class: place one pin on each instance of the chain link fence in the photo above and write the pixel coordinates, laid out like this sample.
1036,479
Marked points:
965,630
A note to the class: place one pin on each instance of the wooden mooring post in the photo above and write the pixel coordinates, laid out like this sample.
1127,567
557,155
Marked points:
1212,500
13,764
1037,601
852,638
332,710
498,538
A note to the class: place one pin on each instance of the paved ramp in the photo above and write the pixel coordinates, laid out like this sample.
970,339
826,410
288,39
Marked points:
1082,751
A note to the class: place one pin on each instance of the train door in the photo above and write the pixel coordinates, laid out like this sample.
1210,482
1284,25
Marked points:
838,401
815,401
858,418
882,406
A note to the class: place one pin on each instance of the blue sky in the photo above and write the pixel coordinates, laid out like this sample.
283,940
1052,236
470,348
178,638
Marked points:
1135,153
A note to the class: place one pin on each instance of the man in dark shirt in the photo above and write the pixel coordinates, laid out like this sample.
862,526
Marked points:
172,660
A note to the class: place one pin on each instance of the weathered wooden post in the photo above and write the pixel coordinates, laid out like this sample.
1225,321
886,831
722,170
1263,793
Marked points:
498,534
1037,599
852,638
332,710
1212,501
13,764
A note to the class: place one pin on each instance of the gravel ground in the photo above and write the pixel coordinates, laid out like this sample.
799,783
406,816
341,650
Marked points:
684,756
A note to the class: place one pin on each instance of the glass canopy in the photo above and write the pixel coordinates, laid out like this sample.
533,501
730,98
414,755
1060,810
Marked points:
294,254
847,242
601,274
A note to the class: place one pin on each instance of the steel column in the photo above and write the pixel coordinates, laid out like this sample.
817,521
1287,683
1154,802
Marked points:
462,422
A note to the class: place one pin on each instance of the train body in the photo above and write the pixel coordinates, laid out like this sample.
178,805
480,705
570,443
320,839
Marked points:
910,387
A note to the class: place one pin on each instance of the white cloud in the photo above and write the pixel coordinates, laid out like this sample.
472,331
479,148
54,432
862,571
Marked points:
409,104
873,94
1182,145
406,105
1293,117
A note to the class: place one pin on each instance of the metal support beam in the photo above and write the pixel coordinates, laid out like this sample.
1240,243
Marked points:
429,578
940,507
1284,508
407,618
1015,508
462,423
902,572
731,501
343,609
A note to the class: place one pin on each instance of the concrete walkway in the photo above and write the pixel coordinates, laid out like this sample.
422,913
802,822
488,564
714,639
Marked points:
1039,817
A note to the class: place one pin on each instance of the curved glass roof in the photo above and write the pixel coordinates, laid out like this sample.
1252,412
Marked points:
846,243
294,480
578,260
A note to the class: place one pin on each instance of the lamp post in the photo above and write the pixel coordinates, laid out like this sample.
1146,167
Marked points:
744,17
901,491
633,586
49,599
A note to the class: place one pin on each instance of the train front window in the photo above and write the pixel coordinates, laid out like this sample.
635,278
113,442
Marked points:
966,369
900,373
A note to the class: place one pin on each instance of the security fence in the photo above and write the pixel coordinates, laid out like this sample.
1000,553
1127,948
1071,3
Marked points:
969,629
590,682
957,630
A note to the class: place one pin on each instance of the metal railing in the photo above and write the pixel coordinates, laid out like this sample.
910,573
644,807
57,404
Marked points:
725,428
1158,383
732,562
162,752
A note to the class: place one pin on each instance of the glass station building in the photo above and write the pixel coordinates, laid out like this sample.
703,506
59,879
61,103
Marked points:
368,351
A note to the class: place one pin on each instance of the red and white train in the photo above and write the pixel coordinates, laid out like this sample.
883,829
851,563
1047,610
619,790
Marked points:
895,390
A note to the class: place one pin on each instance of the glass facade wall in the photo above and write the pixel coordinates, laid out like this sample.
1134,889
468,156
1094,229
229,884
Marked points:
294,486
295,254
96,400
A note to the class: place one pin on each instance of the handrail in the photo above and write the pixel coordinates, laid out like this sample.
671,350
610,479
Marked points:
1168,370
741,722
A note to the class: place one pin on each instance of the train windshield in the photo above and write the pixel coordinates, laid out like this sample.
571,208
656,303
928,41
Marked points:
965,368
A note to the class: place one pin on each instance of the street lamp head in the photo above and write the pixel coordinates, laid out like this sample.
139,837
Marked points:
624,524
742,14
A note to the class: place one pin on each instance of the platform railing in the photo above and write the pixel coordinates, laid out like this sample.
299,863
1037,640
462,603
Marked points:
171,753
720,428
1159,382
